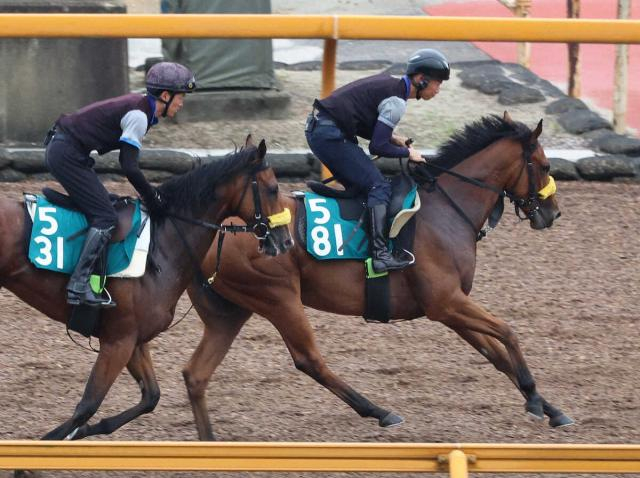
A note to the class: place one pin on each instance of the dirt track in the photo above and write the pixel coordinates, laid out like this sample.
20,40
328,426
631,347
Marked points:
571,294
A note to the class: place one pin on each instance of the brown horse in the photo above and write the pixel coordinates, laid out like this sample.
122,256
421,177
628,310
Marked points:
241,185
489,159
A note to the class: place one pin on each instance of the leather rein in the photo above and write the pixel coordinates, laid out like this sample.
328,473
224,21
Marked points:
529,206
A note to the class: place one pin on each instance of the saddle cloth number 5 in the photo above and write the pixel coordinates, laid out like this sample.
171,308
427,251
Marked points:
320,235
46,253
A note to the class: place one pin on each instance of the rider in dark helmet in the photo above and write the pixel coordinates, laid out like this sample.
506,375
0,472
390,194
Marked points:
115,123
371,108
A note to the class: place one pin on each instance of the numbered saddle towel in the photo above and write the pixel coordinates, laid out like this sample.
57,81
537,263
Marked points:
58,233
333,228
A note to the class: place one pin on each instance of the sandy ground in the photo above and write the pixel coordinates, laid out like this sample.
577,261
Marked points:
571,294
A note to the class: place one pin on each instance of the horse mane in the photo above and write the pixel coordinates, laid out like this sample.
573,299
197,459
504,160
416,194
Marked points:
194,191
475,137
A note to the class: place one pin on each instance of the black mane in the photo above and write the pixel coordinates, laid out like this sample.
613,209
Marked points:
475,137
195,191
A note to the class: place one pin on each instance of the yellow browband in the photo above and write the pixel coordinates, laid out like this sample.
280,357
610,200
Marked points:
282,218
548,190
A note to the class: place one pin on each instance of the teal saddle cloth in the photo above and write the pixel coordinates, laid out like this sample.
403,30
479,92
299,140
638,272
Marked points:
334,226
58,234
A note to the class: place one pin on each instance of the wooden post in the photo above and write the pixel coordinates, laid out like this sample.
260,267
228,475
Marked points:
620,76
328,80
520,8
573,11
524,49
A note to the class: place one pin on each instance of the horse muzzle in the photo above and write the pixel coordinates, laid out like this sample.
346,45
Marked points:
278,241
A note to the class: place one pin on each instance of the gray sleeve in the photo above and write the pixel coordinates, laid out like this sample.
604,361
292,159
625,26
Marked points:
134,127
390,111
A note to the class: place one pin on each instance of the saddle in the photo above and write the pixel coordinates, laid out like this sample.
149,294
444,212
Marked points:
352,207
123,205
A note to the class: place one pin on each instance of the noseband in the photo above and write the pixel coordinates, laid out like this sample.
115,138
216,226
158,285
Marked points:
530,205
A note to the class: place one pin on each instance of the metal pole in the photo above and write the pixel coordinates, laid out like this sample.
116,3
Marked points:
458,465
328,79
621,76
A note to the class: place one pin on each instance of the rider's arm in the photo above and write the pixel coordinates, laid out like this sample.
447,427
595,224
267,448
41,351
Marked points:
380,144
129,163
134,127
390,111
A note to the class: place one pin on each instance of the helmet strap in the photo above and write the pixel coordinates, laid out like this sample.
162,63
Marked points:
419,86
167,104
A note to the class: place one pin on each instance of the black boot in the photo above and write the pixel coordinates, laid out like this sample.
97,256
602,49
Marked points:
79,290
382,260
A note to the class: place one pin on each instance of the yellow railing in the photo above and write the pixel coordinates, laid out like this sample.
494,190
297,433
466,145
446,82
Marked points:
457,459
354,27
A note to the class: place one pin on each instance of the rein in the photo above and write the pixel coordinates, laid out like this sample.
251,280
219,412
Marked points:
531,202
261,229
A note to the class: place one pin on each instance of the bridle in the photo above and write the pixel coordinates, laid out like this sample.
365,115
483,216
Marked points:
261,227
527,207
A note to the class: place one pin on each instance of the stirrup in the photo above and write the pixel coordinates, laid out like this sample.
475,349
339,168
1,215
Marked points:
75,298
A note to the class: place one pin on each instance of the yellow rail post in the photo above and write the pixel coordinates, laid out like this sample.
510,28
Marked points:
458,465
328,79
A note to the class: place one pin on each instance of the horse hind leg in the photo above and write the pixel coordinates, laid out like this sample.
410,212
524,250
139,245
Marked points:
140,367
496,353
223,320
298,336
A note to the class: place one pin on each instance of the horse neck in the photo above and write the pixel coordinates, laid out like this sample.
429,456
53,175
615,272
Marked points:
184,245
496,165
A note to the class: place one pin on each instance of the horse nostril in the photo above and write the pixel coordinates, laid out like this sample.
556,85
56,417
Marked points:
558,214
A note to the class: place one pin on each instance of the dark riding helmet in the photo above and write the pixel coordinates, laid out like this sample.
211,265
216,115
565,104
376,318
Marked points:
431,63
171,77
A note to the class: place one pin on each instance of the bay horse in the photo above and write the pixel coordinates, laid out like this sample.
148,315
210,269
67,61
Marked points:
242,184
490,158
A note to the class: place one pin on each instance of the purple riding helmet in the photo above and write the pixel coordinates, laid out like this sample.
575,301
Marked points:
171,77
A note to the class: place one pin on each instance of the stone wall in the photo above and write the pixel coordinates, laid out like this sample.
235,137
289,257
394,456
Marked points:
42,78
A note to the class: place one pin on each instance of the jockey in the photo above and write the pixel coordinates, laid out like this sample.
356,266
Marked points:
371,108
116,123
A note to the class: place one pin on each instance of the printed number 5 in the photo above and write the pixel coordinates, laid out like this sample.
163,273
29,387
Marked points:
44,217
314,205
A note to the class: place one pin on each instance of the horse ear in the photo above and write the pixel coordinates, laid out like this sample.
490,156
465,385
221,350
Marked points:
536,132
262,149
249,141
507,117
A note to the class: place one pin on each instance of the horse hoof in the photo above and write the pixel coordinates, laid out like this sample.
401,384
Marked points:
25,474
390,420
560,421
534,409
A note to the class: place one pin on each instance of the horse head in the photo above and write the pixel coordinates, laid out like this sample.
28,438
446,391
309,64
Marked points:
534,189
260,197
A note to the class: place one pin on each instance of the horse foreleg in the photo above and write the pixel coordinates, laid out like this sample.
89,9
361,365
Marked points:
222,320
495,352
298,336
461,314
140,367
112,358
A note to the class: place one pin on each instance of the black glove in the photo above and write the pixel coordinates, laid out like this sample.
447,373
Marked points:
154,203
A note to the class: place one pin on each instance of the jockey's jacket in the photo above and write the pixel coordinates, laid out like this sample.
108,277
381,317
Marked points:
357,106
103,125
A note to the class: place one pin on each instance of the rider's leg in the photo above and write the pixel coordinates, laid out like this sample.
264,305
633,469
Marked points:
73,169
382,259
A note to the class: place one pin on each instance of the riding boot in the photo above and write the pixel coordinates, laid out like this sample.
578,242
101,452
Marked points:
79,290
383,261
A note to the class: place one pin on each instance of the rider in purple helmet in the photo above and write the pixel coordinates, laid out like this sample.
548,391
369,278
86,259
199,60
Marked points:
115,123
371,108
